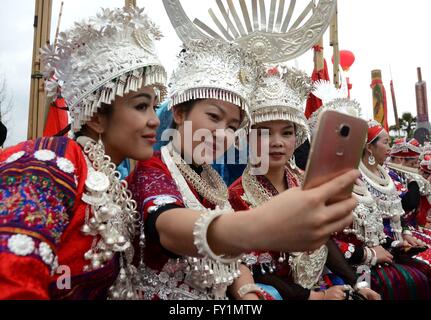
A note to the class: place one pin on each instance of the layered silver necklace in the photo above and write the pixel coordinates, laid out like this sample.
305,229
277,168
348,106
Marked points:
111,218
383,190
307,266
192,278
367,221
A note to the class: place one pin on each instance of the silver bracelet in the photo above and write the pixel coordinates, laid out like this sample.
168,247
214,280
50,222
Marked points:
374,259
200,233
407,233
396,244
368,256
362,285
250,288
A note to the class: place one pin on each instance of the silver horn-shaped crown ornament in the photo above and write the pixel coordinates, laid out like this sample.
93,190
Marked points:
273,38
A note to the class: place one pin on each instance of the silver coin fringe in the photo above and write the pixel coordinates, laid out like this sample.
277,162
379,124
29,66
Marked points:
208,93
406,148
282,113
131,81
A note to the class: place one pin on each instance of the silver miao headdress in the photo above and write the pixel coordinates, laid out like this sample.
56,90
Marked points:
272,37
333,99
277,36
282,97
212,69
106,56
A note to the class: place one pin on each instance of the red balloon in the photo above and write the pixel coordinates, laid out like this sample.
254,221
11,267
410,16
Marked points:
347,58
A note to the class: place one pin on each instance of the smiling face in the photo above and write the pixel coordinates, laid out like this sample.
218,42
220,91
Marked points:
280,136
129,127
214,123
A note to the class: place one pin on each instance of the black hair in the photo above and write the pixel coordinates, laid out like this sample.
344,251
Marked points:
105,110
373,143
3,133
185,108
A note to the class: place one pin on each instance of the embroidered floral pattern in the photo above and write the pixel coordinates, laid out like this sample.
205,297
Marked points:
37,203
162,278
159,202
348,249
149,184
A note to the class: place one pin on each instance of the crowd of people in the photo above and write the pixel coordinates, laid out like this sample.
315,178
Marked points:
72,228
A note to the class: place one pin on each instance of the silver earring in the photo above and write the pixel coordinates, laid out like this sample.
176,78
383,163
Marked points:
371,160
292,163
100,143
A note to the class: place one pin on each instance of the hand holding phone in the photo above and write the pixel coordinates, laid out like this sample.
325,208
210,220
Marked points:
336,148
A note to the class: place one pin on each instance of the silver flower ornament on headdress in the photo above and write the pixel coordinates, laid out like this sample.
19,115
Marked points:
103,57
212,69
333,99
282,96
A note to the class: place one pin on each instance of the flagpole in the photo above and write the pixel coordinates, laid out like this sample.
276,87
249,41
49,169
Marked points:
319,58
379,99
394,103
130,3
58,24
42,30
335,44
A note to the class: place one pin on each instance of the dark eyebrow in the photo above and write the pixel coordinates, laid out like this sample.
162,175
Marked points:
142,94
290,125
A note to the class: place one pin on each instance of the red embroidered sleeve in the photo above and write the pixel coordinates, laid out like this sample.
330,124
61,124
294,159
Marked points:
38,186
153,187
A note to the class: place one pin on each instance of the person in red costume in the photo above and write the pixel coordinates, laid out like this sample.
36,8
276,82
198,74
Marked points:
424,216
277,117
413,184
376,240
67,221
194,240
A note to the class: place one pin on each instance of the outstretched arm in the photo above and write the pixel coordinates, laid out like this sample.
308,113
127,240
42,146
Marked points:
294,221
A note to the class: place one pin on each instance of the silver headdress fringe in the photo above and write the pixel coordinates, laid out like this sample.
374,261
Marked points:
344,105
131,81
107,55
286,114
405,147
281,96
211,69
208,93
